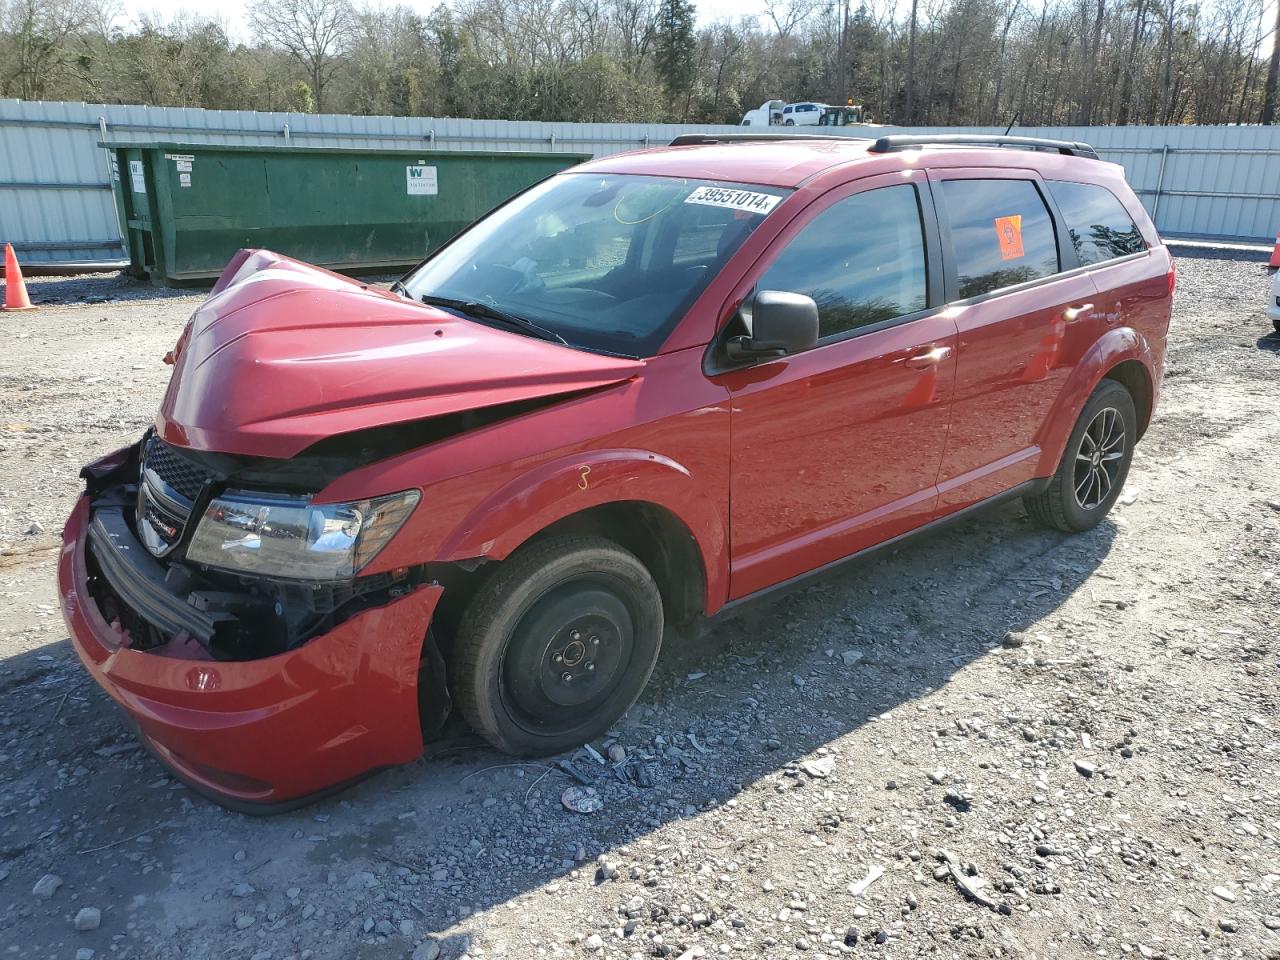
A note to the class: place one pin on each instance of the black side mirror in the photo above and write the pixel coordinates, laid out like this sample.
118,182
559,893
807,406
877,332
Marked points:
780,323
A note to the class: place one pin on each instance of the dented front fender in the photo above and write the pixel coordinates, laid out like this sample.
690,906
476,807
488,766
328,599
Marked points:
569,485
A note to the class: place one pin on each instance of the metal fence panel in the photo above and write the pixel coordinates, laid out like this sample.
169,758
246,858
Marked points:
56,203
1213,182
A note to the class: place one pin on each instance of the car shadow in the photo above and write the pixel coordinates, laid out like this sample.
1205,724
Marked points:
1270,342
466,829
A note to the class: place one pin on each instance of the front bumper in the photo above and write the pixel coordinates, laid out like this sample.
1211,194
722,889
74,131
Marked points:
267,734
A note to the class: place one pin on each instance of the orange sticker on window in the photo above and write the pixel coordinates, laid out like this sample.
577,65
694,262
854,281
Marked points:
1009,233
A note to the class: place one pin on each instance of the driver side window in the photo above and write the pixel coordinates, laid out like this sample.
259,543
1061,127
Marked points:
862,260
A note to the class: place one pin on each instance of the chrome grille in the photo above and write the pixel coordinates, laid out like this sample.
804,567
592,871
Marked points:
167,490
183,475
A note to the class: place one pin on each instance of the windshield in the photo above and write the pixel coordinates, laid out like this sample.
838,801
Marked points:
607,262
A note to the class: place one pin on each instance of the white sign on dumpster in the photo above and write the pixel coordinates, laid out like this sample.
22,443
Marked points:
135,172
420,180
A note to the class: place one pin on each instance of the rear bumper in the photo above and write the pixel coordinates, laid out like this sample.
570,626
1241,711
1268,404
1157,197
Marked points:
258,735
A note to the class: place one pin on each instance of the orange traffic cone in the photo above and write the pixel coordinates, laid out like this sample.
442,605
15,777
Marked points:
1275,255
15,290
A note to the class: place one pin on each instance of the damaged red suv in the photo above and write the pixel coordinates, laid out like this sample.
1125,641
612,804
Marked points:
632,397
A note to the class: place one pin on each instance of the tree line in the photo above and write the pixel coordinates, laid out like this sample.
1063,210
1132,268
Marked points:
956,62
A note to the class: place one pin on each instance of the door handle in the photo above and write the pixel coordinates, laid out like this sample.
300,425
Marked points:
1072,314
929,358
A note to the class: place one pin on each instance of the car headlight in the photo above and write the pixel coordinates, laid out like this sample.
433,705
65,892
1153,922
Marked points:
290,537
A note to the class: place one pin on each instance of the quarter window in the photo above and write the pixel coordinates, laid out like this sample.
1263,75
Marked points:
862,260
1099,226
1001,233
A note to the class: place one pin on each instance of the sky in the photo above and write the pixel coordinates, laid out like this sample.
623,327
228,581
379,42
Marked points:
233,11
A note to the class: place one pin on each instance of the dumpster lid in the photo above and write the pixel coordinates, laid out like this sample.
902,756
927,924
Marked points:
179,146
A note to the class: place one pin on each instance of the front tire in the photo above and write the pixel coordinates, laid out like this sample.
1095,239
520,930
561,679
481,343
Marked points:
1094,465
557,645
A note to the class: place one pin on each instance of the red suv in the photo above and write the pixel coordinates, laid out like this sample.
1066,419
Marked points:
632,397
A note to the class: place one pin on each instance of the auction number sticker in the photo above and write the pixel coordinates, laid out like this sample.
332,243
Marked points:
1009,233
748,201
421,180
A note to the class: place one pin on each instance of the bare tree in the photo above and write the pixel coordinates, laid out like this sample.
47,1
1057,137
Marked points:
790,16
314,32
909,110
41,32
929,61
1269,91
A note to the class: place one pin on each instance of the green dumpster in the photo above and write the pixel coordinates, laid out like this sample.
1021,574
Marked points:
185,208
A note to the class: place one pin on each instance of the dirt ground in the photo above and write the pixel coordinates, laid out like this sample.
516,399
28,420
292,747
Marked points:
1104,782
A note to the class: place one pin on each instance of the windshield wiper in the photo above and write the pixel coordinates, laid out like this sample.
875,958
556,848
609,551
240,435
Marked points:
474,308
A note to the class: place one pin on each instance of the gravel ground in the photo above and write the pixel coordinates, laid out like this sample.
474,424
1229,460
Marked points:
999,742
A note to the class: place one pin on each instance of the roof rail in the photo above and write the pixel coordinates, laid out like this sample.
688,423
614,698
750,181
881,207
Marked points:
700,139
1070,148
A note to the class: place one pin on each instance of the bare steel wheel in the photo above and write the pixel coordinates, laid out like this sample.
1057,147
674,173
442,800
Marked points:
556,645
1099,458
1093,466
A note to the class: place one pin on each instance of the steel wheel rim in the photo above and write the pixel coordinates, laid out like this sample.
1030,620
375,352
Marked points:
1099,458
553,679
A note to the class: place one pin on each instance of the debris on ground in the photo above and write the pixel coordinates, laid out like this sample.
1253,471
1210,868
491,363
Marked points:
858,888
581,800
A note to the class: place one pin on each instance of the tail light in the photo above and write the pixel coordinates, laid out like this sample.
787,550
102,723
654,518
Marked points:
1172,277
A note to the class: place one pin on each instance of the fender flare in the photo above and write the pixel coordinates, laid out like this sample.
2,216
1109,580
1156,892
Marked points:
1113,348
566,486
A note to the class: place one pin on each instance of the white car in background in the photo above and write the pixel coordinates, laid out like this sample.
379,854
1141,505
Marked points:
803,114
1273,301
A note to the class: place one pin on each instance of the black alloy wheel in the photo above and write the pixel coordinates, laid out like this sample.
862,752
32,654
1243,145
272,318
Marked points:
1094,466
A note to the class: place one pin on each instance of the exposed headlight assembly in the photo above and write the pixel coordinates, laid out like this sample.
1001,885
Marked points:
291,538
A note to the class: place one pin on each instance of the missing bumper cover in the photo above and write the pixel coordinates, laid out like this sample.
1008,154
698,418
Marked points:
141,582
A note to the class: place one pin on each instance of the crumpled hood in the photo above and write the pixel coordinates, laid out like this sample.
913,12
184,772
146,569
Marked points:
284,354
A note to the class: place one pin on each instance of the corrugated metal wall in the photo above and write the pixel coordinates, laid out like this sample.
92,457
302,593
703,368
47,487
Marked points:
1217,182
56,203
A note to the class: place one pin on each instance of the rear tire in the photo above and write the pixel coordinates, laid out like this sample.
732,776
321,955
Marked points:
1276,324
557,645
1094,465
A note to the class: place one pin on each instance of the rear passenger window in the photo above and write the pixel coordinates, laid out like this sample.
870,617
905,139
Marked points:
861,259
1001,232
1100,227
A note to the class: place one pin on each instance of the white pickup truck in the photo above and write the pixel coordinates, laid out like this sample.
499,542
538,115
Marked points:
804,113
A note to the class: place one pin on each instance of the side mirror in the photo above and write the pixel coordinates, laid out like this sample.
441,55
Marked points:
780,322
